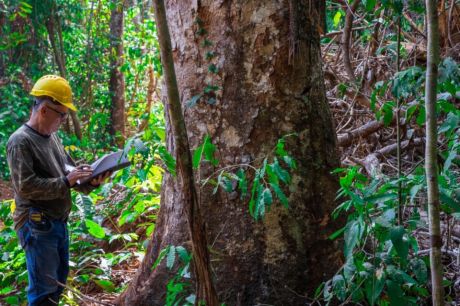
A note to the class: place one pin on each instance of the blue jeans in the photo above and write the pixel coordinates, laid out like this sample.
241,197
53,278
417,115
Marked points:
46,244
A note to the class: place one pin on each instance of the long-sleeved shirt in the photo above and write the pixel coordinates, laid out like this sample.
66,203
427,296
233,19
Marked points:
37,165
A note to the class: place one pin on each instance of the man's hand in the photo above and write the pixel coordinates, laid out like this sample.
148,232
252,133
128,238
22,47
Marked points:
100,179
78,174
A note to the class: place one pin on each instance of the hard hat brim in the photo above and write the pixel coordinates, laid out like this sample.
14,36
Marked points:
41,93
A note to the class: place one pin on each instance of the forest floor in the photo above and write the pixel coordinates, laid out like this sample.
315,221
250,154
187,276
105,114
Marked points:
6,192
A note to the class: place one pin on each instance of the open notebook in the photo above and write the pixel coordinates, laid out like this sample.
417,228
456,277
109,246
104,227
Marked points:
109,162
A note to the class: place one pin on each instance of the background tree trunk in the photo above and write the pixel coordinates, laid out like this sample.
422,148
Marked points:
117,79
431,153
59,56
260,98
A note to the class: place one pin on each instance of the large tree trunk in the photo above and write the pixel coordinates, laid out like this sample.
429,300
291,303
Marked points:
117,79
261,98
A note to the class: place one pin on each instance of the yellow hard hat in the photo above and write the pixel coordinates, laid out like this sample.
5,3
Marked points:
55,87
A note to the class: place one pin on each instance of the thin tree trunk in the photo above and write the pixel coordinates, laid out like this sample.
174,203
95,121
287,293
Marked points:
346,39
204,286
117,79
60,61
150,92
430,153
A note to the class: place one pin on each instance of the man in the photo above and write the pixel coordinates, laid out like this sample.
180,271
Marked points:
42,175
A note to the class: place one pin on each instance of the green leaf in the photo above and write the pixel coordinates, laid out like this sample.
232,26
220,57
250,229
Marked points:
183,254
6,290
445,198
150,229
282,174
280,194
386,219
370,5
396,294
268,198
242,182
105,284
421,117
95,229
400,244
12,300
373,288
380,198
280,151
337,18
420,270
171,257
197,154
260,204
168,160
213,68
337,233
352,235
162,255
208,149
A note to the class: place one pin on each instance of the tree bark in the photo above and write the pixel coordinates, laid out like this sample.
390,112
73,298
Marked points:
117,79
431,155
261,97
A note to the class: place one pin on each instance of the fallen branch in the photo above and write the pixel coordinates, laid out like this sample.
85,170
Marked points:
372,162
346,139
336,33
413,25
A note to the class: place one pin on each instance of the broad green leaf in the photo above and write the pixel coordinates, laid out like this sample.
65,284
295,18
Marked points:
162,255
445,198
337,18
171,257
168,159
267,195
421,117
396,294
260,205
208,149
95,229
352,235
242,182
401,245
280,194
150,229
105,284
370,5
380,198
12,300
183,254
6,290
386,219
339,287
282,174
373,288
280,151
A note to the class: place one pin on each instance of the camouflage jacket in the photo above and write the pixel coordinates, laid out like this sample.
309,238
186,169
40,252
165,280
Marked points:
38,169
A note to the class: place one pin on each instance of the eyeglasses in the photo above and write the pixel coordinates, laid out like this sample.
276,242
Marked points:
61,114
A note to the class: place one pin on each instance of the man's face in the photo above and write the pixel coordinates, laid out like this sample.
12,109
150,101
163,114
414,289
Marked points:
54,114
